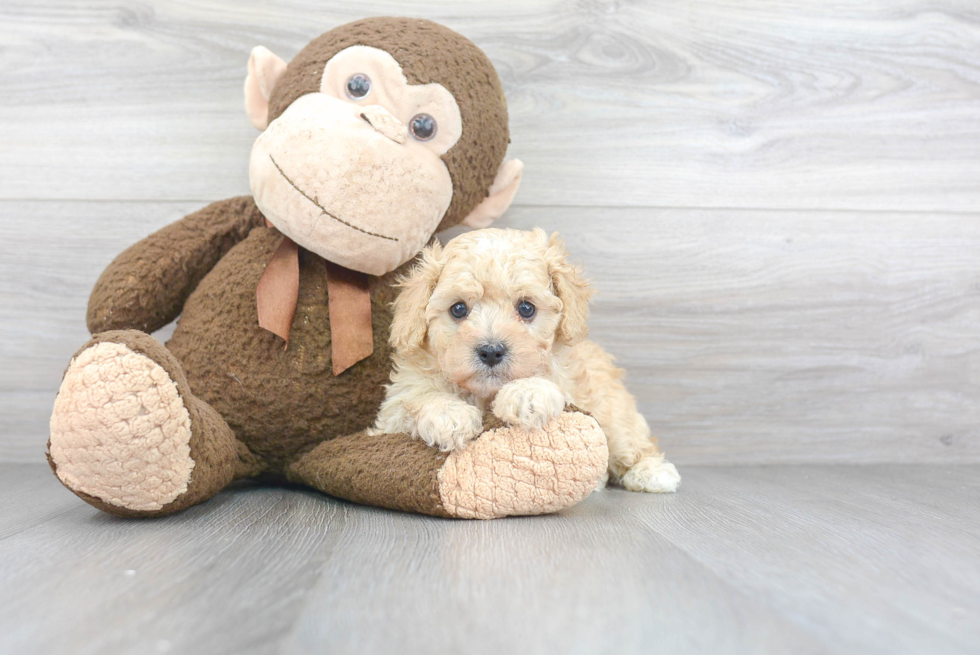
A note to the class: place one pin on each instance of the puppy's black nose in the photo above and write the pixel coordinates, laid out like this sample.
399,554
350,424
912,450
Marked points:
491,354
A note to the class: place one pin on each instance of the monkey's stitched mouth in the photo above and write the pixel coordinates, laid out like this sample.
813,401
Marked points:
325,212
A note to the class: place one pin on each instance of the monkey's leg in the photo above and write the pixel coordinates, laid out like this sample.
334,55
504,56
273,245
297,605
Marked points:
128,437
506,471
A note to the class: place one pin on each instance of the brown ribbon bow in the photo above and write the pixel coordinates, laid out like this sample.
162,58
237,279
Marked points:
348,303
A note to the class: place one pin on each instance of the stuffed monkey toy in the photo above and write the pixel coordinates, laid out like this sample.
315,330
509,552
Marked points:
377,135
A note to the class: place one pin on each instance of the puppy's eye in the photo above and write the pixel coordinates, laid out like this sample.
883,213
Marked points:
358,86
423,127
459,310
525,309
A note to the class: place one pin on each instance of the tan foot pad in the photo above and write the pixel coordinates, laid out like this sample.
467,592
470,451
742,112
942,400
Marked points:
511,472
120,431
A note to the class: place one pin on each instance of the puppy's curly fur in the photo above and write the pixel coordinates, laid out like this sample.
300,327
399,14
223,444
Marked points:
463,340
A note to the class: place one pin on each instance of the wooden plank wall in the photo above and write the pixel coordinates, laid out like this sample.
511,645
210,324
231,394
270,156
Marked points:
779,202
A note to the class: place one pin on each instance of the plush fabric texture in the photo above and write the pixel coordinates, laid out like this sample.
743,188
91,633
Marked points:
146,285
128,471
116,405
500,195
257,408
279,402
394,91
386,470
142,429
349,304
505,472
333,184
427,52
264,68
508,471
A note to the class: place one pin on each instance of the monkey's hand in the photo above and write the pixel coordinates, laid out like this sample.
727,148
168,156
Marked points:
145,287
528,402
447,422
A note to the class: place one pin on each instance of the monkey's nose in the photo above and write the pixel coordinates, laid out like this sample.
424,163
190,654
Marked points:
384,122
491,354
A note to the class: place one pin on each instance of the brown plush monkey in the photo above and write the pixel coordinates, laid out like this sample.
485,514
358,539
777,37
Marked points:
378,134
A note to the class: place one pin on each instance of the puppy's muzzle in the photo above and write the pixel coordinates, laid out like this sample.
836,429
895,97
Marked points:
491,354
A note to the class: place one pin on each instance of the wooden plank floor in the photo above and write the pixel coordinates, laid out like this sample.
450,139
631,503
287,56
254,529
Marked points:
778,204
755,560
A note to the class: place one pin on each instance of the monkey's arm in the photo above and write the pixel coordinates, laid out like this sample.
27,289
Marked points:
145,287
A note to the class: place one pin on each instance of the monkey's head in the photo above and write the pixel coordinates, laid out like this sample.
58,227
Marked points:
378,134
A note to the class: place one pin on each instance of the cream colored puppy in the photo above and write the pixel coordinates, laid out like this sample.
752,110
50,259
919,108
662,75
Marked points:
499,318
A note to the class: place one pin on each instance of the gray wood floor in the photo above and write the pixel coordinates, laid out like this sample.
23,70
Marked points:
779,206
748,559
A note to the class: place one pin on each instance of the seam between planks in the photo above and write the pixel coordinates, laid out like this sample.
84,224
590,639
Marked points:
720,208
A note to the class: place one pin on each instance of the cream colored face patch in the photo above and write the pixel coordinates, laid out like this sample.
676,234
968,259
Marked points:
120,431
346,173
388,87
340,187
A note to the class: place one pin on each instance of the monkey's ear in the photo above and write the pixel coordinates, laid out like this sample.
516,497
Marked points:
499,197
573,290
264,69
409,324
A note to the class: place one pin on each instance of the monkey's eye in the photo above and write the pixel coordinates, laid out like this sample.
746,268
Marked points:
459,310
525,309
358,86
423,127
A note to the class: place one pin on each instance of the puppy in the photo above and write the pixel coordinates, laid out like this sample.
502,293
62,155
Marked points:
498,319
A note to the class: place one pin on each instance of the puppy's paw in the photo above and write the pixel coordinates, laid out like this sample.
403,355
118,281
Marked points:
528,402
448,424
653,475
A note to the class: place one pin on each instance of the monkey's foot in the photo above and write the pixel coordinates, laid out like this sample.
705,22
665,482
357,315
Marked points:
506,471
513,471
123,425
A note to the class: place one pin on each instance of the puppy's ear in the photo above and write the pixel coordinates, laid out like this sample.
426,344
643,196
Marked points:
408,326
572,289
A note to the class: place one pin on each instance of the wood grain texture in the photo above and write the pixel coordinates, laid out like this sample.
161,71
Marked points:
868,105
31,498
748,336
851,543
223,578
742,560
778,203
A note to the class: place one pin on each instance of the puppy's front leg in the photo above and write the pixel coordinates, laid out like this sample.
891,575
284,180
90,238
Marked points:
529,402
419,404
446,422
